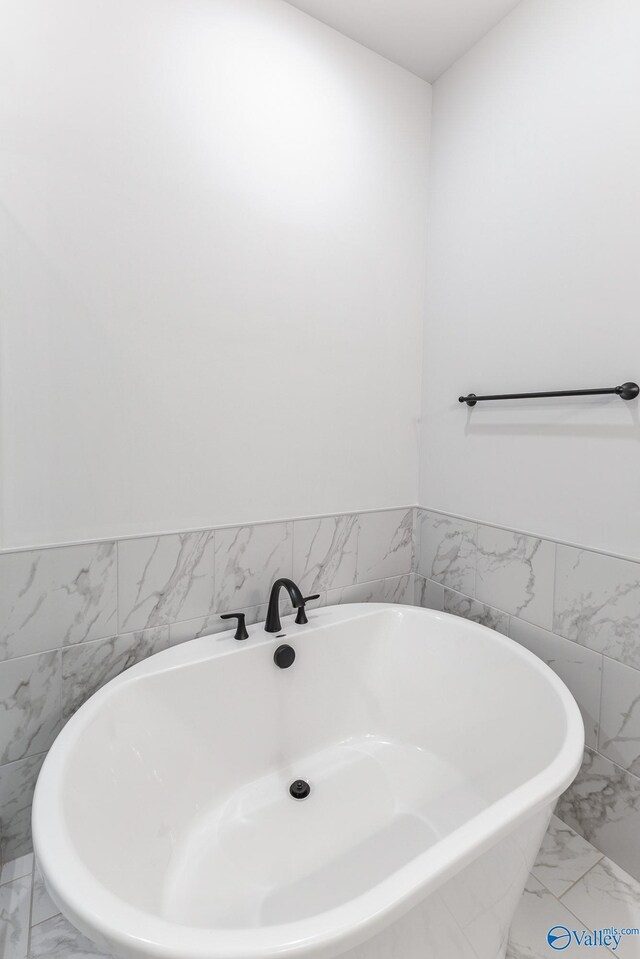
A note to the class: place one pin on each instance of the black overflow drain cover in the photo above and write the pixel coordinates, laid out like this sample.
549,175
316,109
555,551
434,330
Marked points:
284,656
300,789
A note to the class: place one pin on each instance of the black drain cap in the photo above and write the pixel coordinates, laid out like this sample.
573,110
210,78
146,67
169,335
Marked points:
300,789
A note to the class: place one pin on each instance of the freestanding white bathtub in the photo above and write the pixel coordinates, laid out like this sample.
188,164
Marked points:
435,750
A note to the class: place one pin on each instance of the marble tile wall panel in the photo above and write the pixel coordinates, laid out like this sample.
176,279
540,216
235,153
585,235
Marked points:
247,561
325,553
579,668
397,589
30,690
620,715
17,784
461,605
447,551
213,624
56,597
603,806
360,593
428,594
86,668
597,603
164,579
385,545
516,573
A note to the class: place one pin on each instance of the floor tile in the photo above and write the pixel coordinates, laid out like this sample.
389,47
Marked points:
42,906
57,939
538,914
608,896
17,868
15,902
564,858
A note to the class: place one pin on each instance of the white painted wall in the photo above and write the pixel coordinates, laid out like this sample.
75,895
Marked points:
534,275
212,234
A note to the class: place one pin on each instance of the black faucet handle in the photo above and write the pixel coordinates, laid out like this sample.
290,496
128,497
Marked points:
241,631
301,618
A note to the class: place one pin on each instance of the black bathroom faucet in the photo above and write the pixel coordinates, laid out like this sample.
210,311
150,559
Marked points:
272,624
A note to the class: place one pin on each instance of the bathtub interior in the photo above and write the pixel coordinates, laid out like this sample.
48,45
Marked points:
190,763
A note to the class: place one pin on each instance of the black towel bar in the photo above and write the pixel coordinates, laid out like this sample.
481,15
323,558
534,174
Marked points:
628,391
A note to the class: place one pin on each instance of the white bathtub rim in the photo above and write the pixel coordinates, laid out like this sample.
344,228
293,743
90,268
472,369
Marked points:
103,916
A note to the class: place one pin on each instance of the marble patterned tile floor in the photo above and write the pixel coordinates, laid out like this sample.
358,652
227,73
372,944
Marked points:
572,885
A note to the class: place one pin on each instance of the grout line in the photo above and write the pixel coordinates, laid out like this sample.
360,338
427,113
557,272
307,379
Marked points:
551,632
553,590
117,586
14,762
6,882
115,538
600,707
579,922
480,602
595,752
580,878
571,912
603,656
214,578
622,769
293,551
33,874
42,922
178,622
475,561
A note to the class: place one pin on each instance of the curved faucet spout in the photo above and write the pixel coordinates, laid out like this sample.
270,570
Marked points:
272,624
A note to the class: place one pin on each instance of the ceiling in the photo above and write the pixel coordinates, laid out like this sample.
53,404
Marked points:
424,36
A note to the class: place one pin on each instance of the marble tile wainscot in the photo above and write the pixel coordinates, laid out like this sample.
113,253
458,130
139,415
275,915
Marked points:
72,617
579,611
